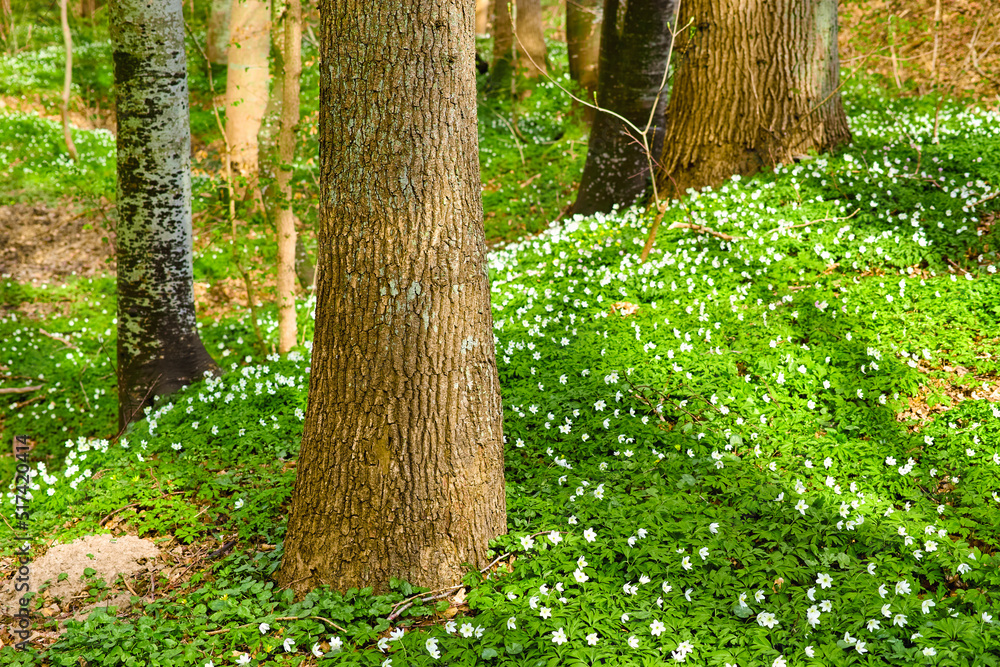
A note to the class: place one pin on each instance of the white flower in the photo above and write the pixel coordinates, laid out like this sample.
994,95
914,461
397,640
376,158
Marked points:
580,576
766,619
666,587
713,528
810,652
545,612
882,592
592,639
466,630
432,647
779,662
238,504
801,507
929,651
860,647
926,605
336,644
527,543
451,627
686,563
873,625
703,552
656,628
824,580
886,611
589,535
987,618
899,619
383,644
633,641
759,596
263,627
288,644
555,537
244,659
559,637
902,587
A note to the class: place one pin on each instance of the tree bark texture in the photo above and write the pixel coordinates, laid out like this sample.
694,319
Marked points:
87,8
583,42
67,80
401,468
247,82
217,39
483,16
285,222
756,83
635,43
270,125
159,349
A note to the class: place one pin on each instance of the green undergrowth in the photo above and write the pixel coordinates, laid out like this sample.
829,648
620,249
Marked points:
774,444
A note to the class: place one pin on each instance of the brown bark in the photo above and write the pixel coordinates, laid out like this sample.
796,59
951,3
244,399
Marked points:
87,8
401,468
217,39
583,42
483,8
285,222
756,84
247,82
530,31
67,80
635,43
503,45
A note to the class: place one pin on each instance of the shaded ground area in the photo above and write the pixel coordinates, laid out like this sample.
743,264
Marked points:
39,244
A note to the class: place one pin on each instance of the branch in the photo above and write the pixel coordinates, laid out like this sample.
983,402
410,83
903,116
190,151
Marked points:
19,390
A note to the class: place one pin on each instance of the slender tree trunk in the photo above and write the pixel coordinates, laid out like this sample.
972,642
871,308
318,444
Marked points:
292,22
401,468
530,29
87,8
5,22
583,42
217,40
756,84
67,80
267,136
503,45
483,17
159,349
635,43
247,83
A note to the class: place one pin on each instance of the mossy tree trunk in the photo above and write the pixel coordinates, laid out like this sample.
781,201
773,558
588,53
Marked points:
217,39
635,43
756,84
401,467
159,349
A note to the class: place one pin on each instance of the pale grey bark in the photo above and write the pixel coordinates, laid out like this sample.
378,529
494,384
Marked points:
159,349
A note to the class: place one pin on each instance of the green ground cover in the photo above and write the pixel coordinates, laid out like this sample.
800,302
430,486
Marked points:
772,449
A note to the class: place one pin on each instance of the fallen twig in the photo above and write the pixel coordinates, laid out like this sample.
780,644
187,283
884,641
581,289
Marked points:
19,390
58,338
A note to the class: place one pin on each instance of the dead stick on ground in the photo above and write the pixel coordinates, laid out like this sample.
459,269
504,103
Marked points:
58,338
19,390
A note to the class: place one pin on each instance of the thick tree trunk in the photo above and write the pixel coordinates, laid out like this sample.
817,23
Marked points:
217,40
67,80
583,42
528,25
756,84
292,22
247,82
635,43
159,349
401,468
483,17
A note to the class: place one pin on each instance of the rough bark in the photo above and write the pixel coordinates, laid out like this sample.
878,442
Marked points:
635,43
67,80
217,40
247,82
401,467
285,222
159,349
530,30
583,42
756,84
87,8
483,17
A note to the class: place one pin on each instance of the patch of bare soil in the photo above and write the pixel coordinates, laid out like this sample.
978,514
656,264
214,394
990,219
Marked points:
943,394
39,244
48,107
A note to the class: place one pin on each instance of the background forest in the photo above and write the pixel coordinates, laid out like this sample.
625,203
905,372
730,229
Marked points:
776,441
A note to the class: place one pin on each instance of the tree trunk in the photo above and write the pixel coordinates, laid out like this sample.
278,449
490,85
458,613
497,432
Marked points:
67,80
292,22
217,40
583,42
87,8
756,84
267,135
401,468
159,349
635,43
503,45
529,28
5,23
483,17
247,83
